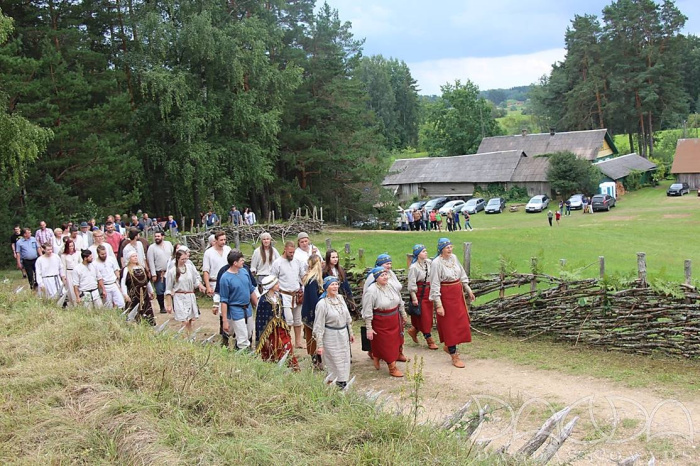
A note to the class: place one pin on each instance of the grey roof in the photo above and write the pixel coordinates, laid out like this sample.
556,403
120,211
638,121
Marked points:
531,169
620,167
477,168
585,144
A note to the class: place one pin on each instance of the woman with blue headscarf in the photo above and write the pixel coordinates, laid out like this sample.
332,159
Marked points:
448,284
419,289
333,332
384,315
384,260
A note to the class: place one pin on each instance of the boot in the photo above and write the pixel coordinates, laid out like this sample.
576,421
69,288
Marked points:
431,343
402,358
444,348
413,333
456,361
376,363
394,371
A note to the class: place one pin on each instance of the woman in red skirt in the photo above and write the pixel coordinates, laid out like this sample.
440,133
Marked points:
384,315
448,284
419,289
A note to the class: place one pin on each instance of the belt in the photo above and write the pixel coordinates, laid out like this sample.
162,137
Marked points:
107,284
212,280
336,328
51,276
184,292
385,312
288,293
88,291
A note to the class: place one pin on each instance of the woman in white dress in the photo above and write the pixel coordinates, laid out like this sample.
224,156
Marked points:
181,281
70,258
57,241
263,257
333,332
384,260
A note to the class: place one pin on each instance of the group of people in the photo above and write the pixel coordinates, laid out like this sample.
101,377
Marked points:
432,220
235,217
296,299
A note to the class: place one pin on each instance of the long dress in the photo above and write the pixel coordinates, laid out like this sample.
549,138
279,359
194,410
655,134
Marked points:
332,331
418,283
70,262
345,289
272,330
383,309
182,292
447,277
49,276
308,313
137,285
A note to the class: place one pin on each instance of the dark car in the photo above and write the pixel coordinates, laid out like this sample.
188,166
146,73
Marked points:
496,205
602,202
418,205
435,204
678,189
474,205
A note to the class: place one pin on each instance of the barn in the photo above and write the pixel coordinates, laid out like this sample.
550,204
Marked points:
595,144
686,162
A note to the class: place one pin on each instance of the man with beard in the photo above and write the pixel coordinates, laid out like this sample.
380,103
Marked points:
50,275
112,236
87,282
158,255
108,268
290,272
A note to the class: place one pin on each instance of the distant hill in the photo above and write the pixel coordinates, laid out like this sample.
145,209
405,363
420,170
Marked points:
499,96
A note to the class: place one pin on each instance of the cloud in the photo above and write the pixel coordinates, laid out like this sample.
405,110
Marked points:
487,73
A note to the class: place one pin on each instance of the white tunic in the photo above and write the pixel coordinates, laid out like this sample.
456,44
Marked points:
129,249
418,273
107,269
158,256
289,272
182,292
108,249
70,262
49,275
257,267
212,262
380,297
332,330
85,277
445,270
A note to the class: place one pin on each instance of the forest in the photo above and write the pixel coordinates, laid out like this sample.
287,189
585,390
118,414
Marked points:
180,106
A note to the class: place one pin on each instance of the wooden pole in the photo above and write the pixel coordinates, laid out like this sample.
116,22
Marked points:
562,263
347,248
328,244
467,258
601,259
533,280
237,240
192,225
409,258
321,213
688,272
642,268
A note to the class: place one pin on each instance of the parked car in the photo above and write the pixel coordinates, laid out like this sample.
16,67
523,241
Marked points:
435,203
371,222
537,203
576,202
496,205
454,206
417,205
678,189
474,205
602,202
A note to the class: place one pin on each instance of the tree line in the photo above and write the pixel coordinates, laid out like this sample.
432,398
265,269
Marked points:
178,106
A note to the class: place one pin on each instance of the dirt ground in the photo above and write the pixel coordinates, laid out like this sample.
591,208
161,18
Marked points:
615,422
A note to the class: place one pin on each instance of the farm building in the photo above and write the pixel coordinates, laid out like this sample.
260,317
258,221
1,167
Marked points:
686,162
462,175
619,168
590,145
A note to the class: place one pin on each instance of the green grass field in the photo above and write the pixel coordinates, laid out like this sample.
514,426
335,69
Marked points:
643,221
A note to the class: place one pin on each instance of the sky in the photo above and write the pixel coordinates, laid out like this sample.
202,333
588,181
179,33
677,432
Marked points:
496,44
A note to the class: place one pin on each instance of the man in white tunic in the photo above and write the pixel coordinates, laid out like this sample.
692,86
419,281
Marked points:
290,273
214,259
305,250
87,282
109,270
158,255
50,275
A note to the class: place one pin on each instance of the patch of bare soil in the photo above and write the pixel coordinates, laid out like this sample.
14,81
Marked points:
676,216
620,218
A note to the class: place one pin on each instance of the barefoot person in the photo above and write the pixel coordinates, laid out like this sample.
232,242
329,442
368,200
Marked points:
419,289
448,283
333,332
384,315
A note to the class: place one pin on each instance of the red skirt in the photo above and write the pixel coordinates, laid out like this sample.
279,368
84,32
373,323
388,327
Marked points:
276,344
388,325
424,322
453,327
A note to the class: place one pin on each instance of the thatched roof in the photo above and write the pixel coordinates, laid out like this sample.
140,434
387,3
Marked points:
585,144
477,168
687,158
620,167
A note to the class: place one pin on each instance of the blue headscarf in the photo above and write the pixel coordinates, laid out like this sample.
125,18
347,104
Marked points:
442,243
327,281
417,249
377,271
382,259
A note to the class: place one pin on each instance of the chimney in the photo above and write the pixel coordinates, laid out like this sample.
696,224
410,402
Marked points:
551,131
523,131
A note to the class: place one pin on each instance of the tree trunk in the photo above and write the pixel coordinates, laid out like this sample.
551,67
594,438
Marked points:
631,139
650,131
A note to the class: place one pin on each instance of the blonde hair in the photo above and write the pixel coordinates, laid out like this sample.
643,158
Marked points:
315,271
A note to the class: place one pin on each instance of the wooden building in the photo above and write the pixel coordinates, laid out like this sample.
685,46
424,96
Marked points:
686,162
591,145
619,168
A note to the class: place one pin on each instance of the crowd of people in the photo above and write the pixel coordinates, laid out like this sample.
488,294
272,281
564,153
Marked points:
432,220
296,299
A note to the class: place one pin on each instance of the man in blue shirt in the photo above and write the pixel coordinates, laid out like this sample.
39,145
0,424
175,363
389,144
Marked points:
237,293
27,253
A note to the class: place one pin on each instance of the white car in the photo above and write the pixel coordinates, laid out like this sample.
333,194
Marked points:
537,203
454,206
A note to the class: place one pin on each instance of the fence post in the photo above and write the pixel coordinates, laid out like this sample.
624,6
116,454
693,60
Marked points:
533,280
347,248
468,258
409,258
688,272
642,268
562,263
322,213
328,244
601,259
237,239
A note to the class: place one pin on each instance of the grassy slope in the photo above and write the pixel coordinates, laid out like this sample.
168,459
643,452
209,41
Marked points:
84,387
643,221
